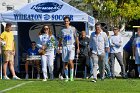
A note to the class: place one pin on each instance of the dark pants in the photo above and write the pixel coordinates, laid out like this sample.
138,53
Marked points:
119,58
84,60
59,64
126,57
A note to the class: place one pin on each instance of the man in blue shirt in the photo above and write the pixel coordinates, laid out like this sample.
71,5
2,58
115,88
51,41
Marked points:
98,45
31,52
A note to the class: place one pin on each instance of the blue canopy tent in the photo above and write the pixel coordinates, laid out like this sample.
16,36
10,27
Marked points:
45,11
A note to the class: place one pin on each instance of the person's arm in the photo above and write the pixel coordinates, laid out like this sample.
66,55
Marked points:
77,40
13,47
2,42
77,43
90,45
59,42
88,40
106,43
60,38
0,45
39,43
110,42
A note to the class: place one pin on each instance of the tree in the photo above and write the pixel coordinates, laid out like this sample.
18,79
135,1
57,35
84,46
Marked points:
116,12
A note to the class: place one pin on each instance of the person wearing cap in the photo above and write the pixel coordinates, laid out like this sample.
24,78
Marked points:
136,50
8,51
115,52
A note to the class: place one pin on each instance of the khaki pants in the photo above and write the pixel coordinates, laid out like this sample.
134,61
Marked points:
98,60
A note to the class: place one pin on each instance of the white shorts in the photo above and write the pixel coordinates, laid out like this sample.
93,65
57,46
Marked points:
68,53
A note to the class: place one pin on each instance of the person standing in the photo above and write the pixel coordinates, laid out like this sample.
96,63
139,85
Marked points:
127,54
31,52
98,45
115,52
68,36
8,51
46,44
136,50
60,63
84,51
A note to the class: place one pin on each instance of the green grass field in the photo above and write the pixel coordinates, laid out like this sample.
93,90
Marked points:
77,86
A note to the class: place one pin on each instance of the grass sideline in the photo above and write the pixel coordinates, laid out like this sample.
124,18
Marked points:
77,86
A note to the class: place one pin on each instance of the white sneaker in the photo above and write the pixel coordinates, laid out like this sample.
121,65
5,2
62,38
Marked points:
27,76
139,76
44,80
6,78
94,80
61,77
38,76
16,78
66,80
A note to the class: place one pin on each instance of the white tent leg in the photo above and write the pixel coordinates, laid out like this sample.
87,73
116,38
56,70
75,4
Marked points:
86,28
1,67
0,56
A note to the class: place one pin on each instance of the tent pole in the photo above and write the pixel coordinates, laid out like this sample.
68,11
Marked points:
86,28
0,54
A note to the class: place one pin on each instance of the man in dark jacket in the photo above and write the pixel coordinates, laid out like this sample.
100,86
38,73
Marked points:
84,49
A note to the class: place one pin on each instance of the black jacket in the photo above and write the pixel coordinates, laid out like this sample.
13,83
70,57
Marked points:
84,46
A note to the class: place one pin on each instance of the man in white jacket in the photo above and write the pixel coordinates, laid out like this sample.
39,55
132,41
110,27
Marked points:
115,52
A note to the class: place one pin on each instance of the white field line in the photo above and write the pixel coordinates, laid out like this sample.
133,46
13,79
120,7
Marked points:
15,86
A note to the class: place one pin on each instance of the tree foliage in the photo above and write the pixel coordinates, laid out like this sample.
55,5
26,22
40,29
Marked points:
116,12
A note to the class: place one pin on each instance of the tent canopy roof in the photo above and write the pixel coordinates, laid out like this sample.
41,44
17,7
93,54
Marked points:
46,11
